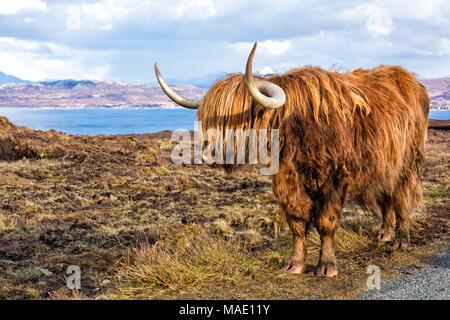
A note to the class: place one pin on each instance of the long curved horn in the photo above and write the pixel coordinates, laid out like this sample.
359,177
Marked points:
187,103
273,97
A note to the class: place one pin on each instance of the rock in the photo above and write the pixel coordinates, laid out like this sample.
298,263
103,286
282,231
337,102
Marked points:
106,281
7,261
45,272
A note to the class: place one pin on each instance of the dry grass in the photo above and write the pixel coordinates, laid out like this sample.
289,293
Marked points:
6,224
188,263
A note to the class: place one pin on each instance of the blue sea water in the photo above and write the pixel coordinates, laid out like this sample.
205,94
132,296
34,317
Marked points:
439,115
102,120
115,121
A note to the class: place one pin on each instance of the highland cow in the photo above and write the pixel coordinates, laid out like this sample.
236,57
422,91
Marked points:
357,135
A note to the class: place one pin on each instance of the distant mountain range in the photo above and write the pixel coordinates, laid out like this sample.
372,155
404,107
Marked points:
93,93
6,78
439,92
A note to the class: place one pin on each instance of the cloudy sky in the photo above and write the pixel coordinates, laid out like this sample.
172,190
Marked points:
121,39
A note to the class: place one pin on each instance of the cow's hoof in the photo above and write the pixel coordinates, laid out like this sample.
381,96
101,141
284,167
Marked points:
401,242
293,267
386,235
327,269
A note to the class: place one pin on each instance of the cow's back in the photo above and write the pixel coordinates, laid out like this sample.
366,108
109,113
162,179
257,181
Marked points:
390,139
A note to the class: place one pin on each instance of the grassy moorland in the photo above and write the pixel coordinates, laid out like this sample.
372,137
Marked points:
121,210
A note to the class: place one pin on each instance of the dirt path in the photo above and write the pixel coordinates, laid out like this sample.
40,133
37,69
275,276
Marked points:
428,282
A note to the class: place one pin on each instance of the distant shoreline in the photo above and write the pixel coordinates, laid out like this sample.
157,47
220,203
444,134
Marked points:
438,124
124,108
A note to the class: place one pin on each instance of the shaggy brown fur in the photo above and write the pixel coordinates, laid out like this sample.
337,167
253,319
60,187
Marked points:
355,135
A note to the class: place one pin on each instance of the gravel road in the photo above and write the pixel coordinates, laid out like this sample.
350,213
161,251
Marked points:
432,282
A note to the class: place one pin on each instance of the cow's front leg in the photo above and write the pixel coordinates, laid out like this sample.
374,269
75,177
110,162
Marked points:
326,223
296,262
296,205
298,216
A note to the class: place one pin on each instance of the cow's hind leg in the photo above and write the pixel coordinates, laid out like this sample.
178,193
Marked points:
406,199
326,222
387,231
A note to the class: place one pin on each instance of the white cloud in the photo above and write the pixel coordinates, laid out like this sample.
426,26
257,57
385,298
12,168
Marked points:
275,48
378,20
267,70
16,45
32,60
101,15
106,14
8,7
444,47
266,48
200,9
431,11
